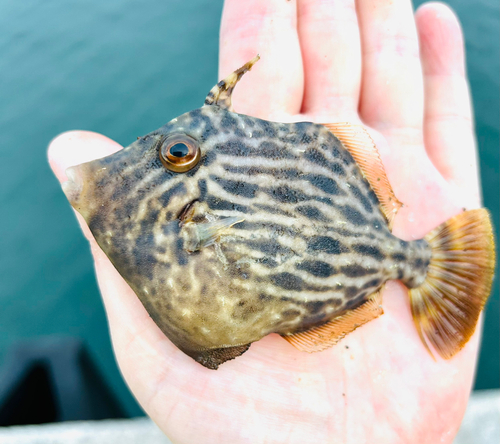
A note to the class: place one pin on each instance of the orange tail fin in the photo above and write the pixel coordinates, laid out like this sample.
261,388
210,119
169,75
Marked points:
446,307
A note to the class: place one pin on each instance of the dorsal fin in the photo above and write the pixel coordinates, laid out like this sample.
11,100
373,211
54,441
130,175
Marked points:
325,336
221,93
362,148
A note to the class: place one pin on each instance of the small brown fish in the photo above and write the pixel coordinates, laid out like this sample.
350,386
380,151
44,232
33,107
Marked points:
229,227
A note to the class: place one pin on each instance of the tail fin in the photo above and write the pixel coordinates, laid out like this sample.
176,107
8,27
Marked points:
446,307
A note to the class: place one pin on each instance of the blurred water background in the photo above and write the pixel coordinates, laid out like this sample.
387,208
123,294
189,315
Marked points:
124,68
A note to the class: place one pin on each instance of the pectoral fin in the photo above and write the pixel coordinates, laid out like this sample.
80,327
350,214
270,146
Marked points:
199,235
325,336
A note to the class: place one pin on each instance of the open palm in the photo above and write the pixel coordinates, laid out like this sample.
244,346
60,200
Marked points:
363,61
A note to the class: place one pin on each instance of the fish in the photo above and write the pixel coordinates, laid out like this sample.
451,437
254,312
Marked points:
228,228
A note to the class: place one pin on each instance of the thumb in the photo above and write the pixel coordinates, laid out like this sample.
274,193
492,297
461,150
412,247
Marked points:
75,147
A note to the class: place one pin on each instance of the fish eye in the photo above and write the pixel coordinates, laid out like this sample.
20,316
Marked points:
179,153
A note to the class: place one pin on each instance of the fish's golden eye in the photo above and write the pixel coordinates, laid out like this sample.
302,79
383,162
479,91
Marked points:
179,153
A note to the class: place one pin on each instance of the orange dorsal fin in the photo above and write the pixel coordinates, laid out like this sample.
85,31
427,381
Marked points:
325,336
362,148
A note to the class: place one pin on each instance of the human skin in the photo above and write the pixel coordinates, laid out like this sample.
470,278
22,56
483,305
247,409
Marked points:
402,76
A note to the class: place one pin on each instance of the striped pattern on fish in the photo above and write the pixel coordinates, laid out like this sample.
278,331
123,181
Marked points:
275,229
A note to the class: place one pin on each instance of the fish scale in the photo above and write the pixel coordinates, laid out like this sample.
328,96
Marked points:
274,230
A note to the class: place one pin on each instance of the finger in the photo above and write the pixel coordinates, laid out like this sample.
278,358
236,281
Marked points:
75,147
269,28
331,48
392,85
448,128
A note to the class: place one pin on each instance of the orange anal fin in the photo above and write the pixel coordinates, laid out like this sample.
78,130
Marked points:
362,148
327,335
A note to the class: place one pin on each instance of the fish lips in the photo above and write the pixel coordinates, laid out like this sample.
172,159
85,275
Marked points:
76,188
73,187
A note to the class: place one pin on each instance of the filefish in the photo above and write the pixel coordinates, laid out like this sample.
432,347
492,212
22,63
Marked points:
229,228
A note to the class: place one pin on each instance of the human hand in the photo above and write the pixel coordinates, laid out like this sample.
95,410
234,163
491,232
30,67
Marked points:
325,62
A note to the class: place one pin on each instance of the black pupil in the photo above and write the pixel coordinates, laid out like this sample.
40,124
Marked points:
179,150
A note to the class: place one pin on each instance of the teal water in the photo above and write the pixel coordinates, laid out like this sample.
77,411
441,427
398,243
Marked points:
124,68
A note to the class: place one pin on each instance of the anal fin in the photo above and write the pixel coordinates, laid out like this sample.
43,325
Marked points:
362,148
326,335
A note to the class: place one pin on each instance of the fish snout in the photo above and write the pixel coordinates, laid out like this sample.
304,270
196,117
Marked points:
73,187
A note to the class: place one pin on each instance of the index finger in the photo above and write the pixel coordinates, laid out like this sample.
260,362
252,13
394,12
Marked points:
268,28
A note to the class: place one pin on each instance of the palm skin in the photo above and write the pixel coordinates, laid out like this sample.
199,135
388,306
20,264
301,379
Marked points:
323,61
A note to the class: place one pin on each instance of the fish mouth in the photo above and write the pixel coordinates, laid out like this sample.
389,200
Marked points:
73,187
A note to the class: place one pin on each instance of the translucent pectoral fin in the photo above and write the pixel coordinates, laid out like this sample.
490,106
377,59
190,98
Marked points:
325,336
199,235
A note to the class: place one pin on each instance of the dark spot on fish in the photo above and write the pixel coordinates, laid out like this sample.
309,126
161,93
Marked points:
202,187
270,246
268,128
356,270
171,227
313,320
326,244
180,253
399,257
361,197
228,122
315,306
315,156
306,139
257,134
219,204
400,274
165,197
268,262
317,268
372,284
234,148
372,196
324,200
292,313
273,210
353,215
286,194
237,188
239,133
248,121
338,169
356,302
209,158
324,183
288,281
312,213
270,150
368,250
265,297
351,291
